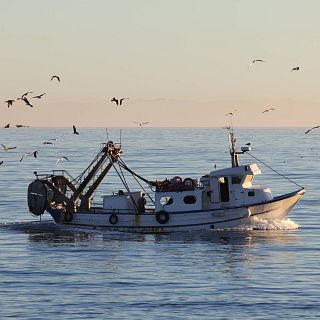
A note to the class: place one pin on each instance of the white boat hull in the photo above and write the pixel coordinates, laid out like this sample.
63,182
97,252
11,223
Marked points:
197,220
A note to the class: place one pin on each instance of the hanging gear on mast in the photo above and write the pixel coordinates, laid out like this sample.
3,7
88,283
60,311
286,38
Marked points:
65,191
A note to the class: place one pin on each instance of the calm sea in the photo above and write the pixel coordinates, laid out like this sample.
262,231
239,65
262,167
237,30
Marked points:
269,271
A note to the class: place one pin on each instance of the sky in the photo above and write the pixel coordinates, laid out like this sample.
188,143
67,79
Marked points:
181,63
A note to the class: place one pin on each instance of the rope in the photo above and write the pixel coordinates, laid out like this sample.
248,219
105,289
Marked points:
124,166
280,174
143,189
125,184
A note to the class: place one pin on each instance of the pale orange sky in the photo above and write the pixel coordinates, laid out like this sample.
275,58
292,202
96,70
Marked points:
181,62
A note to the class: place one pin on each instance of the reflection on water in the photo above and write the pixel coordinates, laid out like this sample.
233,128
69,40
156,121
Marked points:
56,234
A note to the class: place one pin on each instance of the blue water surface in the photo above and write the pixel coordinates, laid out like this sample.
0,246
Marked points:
49,271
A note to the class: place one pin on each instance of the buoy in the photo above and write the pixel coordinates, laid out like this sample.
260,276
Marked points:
162,217
113,219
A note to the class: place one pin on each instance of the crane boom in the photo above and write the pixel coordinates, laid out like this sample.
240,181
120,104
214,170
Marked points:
109,152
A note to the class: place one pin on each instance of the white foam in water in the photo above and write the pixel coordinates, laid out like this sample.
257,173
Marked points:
262,224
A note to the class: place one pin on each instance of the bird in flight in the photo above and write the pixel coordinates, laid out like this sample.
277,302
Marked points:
55,77
255,61
24,155
7,148
48,142
141,123
1,163
35,154
295,69
39,96
75,130
27,102
230,114
118,101
65,158
312,129
9,102
268,110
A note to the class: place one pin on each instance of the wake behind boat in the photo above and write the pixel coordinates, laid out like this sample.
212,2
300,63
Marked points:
224,198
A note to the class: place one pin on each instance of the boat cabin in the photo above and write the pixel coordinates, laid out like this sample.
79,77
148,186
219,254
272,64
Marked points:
226,188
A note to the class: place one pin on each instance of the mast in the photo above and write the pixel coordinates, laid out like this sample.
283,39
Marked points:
232,148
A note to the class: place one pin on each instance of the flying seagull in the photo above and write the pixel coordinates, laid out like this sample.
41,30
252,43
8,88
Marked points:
118,101
312,129
48,142
268,110
295,69
230,114
39,96
62,159
9,102
24,155
254,61
75,130
35,154
141,123
27,102
57,77
7,148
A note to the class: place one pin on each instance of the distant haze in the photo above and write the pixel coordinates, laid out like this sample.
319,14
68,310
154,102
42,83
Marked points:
182,63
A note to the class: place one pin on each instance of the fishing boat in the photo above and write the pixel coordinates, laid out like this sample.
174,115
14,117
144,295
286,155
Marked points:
220,199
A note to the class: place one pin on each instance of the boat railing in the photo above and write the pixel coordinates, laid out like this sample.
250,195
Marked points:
63,173
55,173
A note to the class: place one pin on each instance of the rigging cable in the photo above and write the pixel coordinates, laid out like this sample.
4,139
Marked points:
280,174
141,186
124,183
134,175
124,166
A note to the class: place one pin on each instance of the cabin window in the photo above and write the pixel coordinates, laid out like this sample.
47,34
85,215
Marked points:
166,201
251,193
247,180
189,199
236,179
224,189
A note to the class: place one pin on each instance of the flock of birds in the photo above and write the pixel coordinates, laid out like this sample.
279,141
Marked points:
297,68
26,98
118,101
9,102
35,153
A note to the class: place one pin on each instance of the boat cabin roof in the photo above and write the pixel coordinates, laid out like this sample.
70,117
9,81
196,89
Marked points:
244,170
